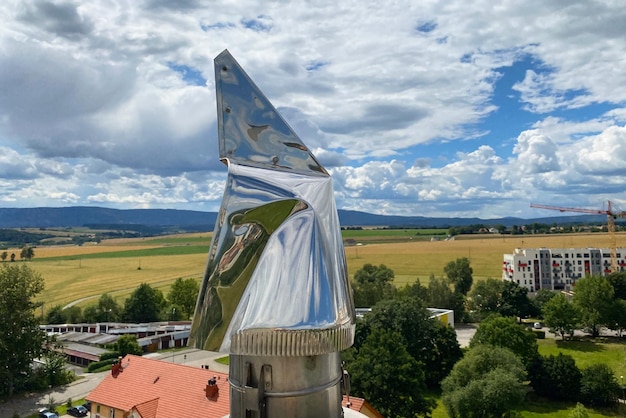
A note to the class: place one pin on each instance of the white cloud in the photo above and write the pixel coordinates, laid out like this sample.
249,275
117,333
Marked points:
605,153
536,153
96,107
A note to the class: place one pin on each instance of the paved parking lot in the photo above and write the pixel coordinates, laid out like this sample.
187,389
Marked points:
464,333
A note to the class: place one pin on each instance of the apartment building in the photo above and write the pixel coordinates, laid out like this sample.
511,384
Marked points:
557,268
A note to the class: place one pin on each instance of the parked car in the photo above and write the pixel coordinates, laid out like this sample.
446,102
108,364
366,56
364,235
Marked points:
537,325
78,411
87,406
44,413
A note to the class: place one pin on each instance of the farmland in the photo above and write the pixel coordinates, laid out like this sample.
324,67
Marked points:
118,266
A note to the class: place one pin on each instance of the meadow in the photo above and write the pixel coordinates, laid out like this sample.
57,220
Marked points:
82,273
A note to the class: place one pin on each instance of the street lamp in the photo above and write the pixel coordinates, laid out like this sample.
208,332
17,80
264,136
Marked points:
622,381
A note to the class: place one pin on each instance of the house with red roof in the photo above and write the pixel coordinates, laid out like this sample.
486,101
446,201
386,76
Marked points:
139,387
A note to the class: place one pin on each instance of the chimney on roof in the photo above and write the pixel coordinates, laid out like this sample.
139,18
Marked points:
212,390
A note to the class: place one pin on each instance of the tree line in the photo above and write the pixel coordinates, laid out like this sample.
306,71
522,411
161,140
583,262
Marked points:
27,253
22,341
145,304
401,354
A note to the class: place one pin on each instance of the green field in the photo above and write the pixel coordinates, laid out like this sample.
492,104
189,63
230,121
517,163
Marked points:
118,266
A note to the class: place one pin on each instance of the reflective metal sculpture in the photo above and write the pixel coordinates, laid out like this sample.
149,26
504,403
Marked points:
275,294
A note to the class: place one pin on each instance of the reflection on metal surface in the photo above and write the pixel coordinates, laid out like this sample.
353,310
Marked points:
275,294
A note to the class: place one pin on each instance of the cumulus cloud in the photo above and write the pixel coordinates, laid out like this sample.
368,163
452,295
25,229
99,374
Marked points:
604,154
115,105
536,153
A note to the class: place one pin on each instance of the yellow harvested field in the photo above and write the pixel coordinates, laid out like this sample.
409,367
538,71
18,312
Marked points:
75,279
420,259
72,280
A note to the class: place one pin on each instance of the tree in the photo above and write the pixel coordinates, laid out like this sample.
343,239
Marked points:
127,344
542,296
372,284
556,377
109,309
617,316
515,301
90,314
56,315
145,304
591,295
487,382
4,255
20,337
618,281
459,273
27,253
560,315
415,290
184,294
54,364
486,296
384,373
12,256
598,386
441,296
427,340
73,314
505,332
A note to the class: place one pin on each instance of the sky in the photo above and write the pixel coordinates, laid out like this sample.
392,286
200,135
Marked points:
417,108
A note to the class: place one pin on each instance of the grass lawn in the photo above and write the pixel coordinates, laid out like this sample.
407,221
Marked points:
587,352
541,408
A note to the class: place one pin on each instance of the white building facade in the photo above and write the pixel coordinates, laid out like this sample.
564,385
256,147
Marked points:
557,268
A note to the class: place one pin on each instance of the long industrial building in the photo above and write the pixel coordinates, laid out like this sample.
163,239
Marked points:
557,268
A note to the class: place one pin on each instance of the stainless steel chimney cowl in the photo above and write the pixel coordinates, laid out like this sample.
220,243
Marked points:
275,295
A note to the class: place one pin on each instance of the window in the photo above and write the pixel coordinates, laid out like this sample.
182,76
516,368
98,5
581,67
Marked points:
111,413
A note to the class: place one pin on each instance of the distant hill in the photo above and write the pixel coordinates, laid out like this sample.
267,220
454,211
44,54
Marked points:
80,216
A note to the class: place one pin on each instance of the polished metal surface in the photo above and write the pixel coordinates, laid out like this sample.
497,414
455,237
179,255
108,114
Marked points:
275,294
306,386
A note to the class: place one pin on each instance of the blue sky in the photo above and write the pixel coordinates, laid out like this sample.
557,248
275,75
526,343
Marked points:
416,108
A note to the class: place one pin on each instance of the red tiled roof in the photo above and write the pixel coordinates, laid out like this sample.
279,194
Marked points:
148,409
157,389
162,390
355,403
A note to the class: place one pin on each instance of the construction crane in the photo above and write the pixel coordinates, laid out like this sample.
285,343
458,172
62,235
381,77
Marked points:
611,215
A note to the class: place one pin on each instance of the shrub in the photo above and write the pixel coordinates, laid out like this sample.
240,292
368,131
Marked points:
109,355
555,377
539,334
99,364
598,386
